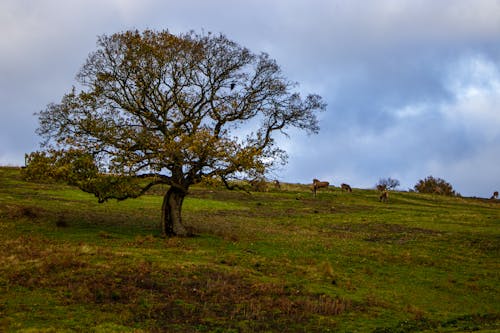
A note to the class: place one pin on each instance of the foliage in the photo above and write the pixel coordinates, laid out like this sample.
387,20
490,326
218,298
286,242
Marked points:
173,110
387,184
71,166
435,186
77,168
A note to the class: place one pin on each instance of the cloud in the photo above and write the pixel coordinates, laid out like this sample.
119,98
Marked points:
475,82
454,137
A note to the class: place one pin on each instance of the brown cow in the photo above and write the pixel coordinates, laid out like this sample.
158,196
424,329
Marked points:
384,196
346,187
495,195
318,184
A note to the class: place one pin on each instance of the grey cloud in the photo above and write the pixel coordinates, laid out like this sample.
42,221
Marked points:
395,75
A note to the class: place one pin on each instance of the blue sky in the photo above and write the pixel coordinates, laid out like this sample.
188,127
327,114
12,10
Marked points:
412,86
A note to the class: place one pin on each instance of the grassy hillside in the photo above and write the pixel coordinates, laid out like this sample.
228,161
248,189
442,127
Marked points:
276,261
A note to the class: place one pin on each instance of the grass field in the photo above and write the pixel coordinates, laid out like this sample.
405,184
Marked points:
272,261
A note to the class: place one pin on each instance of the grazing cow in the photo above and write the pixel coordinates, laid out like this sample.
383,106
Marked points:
495,195
384,196
277,184
317,185
345,187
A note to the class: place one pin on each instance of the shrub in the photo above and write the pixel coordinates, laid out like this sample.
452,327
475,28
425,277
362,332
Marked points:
435,186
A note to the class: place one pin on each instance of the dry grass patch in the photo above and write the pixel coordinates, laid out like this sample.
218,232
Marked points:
161,296
16,212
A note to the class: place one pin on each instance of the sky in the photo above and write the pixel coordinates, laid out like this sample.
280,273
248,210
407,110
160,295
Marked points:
412,86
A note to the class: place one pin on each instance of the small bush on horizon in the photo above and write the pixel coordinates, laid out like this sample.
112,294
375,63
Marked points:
435,186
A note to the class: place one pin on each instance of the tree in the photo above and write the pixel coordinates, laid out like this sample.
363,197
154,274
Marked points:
156,108
434,185
387,183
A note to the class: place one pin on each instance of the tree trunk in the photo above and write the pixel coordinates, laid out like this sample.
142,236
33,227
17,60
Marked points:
171,213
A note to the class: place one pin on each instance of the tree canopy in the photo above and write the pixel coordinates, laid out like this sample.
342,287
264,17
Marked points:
172,109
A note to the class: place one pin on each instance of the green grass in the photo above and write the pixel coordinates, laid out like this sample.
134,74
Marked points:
275,261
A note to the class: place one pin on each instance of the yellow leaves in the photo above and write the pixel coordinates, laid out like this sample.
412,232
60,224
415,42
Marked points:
198,145
202,149
71,166
248,158
104,76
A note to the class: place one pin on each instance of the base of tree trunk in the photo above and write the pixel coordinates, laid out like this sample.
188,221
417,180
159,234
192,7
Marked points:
171,213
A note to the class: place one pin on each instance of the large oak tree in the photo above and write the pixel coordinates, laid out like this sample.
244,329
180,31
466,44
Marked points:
156,108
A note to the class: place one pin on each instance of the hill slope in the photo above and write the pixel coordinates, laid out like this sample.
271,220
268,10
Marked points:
273,261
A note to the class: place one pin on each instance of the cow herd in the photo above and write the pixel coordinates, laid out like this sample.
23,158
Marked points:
317,184
384,193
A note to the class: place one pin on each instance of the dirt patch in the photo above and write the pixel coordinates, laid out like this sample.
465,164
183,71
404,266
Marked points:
16,212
